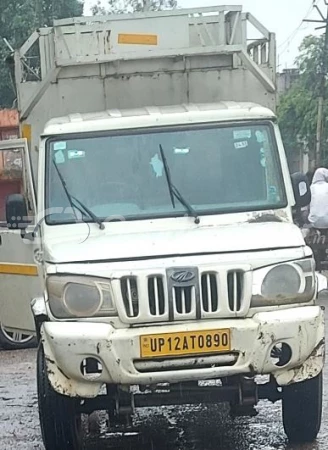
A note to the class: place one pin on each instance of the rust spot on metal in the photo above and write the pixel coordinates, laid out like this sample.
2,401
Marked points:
59,369
49,360
262,218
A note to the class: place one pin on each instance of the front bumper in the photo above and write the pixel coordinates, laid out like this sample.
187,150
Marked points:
66,345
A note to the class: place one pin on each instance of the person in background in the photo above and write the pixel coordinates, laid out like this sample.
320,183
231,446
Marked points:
305,211
318,216
310,175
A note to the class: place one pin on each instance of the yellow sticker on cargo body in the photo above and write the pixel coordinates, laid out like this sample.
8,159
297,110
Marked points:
138,39
18,269
185,343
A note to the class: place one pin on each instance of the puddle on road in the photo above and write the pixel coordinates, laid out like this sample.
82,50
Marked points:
171,428
202,428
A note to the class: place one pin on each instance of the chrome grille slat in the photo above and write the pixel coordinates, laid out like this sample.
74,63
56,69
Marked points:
130,297
183,301
156,297
210,300
235,293
235,290
209,290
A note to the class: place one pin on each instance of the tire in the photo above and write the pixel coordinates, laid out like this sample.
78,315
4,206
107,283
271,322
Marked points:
59,420
302,410
10,340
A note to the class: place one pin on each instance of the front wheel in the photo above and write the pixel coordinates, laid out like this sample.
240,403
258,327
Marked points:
302,410
59,419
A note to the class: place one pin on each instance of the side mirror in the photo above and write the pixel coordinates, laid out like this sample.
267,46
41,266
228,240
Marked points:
16,212
301,188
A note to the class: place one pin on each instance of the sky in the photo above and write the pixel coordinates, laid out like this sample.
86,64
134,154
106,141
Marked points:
283,17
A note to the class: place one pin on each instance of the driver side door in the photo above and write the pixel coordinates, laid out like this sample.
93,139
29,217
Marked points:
19,275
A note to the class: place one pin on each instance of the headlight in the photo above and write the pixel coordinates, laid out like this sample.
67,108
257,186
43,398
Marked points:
284,284
76,296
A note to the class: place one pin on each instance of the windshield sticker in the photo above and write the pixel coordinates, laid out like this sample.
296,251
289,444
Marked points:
260,136
59,157
157,166
60,146
263,158
273,194
239,145
75,154
242,134
181,151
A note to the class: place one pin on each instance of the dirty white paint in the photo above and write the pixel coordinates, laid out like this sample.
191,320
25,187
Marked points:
67,344
225,241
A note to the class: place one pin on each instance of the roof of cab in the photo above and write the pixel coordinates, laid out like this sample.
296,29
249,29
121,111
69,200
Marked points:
116,119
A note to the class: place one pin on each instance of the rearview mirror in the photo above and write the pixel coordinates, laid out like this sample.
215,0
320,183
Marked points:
16,212
301,188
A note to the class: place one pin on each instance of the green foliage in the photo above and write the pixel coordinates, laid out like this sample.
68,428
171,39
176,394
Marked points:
18,18
124,6
298,108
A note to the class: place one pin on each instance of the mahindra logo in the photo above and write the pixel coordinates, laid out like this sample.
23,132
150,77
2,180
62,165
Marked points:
182,276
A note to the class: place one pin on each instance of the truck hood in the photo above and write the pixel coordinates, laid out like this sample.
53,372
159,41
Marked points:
200,240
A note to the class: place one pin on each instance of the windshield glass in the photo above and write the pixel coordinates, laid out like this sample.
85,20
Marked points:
122,177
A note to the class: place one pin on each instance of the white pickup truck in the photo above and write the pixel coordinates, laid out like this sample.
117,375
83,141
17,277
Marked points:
155,239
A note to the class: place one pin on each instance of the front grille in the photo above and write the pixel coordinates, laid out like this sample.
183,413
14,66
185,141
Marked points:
235,281
129,291
184,294
210,297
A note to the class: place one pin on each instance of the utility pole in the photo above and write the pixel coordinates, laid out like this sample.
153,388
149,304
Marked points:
322,86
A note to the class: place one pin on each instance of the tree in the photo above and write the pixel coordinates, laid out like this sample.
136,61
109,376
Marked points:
124,6
18,19
298,108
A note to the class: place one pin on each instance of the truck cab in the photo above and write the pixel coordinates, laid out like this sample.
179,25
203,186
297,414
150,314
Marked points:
164,250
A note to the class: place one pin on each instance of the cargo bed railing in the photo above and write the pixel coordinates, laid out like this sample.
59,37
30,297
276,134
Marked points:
177,34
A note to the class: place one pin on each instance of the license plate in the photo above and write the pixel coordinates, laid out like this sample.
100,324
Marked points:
184,344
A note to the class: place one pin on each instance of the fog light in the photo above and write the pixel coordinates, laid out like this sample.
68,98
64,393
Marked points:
281,354
91,369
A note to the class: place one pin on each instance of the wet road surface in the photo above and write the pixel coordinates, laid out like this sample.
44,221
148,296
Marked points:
174,428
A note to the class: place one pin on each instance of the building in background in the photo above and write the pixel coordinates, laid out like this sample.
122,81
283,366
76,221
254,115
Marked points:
286,79
11,161
9,124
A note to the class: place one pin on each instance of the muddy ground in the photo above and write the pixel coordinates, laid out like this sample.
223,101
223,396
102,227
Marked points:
176,428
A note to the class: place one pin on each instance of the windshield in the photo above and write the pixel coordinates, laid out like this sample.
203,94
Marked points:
122,177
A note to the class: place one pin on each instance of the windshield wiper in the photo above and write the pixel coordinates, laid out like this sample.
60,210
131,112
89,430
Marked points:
72,199
174,191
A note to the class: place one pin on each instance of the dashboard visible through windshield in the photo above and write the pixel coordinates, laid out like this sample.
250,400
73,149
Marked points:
217,169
